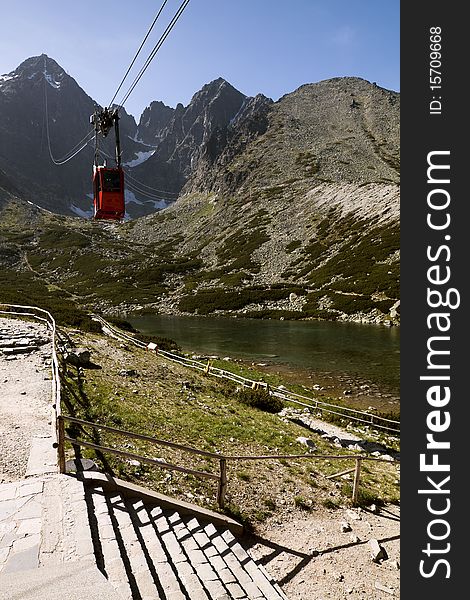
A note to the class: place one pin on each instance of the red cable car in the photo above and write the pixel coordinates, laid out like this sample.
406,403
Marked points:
108,182
108,193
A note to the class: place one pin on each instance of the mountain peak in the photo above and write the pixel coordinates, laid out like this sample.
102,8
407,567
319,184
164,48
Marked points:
217,85
33,70
41,63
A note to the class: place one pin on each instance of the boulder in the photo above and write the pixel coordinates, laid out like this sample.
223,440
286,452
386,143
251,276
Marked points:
376,551
353,514
128,372
78,357
306,442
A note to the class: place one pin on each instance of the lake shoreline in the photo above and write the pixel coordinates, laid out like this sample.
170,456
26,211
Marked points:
358,392
354,391
354,363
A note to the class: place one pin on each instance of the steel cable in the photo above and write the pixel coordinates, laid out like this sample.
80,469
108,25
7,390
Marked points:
138,51
156,48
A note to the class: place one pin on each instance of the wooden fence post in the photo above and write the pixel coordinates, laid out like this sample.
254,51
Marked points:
222,483
357,474
61,444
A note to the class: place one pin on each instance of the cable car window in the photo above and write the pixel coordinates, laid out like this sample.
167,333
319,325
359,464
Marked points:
111,181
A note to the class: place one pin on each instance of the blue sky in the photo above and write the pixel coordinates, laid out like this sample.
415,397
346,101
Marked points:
265,46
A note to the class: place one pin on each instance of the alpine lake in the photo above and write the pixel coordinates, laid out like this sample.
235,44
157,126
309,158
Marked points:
334,359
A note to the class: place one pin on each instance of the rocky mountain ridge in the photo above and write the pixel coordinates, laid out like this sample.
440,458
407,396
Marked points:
338,130
181,135
44,115
343,129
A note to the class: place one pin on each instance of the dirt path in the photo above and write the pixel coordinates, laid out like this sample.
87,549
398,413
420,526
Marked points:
25,394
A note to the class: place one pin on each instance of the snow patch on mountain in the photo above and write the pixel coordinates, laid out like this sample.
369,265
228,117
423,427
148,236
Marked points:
51,81
7,77
131,198
141,157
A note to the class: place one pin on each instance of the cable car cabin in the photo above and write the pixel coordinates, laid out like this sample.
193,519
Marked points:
108,193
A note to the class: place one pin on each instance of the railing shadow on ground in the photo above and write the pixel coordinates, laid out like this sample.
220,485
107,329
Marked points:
248,541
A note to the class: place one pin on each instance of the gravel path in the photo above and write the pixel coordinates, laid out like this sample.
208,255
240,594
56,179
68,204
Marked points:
25,393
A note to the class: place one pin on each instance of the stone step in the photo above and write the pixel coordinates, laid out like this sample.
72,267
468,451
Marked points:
107,548
205,570
66,534
261,577
148,553
134,552
184,569
9,351
168,581
242,565
209,570
46,524
70,581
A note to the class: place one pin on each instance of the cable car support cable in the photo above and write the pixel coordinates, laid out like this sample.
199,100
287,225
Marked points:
79,146
156,48
138,52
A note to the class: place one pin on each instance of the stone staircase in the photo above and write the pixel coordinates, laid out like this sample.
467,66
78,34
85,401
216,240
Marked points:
150,553
62,537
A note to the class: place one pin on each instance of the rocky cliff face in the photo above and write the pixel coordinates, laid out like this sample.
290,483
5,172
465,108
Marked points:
339,130
24,154
179,135
299,197
39,102
37,90
154,121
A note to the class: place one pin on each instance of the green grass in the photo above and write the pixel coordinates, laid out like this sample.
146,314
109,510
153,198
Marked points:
28,289
303,503
205,414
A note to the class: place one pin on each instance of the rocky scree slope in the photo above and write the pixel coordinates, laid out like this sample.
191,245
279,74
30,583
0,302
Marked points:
339,130
292,210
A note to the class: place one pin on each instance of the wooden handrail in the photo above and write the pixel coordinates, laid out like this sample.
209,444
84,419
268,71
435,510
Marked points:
30,311
223,459
214,455
288,396
153,461
139,436
319,456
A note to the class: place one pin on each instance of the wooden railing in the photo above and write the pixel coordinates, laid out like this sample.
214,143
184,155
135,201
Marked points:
223,460
351,414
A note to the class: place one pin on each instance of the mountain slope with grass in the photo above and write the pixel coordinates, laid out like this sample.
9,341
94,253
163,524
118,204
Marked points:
291,210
